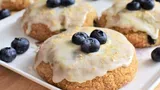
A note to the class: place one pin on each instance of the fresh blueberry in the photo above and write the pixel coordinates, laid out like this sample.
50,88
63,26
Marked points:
158,0
4,13
95,23
140,1
8,54
147,4
90,45
79,37
67,2
151,40
156,55
99,35
53,3
21,45
134,5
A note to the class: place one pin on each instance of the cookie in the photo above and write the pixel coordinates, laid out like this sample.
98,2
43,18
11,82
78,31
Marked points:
15,5
41,22
61,62
141,27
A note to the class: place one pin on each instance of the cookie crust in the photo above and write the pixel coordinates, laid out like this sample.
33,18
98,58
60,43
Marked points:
16,5
41,32
113,80
139,39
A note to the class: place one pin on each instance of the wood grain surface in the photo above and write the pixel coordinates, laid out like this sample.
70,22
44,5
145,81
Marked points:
158,87
11,81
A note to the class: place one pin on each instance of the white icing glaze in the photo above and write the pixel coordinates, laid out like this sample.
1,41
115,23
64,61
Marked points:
75,66
141,20
31,1
57,18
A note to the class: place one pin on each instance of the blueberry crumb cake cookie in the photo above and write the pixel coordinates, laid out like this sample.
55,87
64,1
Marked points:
87,58
138,20
46,18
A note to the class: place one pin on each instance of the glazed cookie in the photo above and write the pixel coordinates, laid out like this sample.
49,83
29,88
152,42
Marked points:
65,64
15,4
137,21
41,21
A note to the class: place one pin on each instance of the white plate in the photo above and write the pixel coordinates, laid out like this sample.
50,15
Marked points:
148,71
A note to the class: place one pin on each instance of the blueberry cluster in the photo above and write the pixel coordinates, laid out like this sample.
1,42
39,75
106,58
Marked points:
92,43
56,3
18,46
4,13
138,4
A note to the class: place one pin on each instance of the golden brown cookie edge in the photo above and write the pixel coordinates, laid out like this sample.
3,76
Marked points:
16,5
41,32
113,80
139,39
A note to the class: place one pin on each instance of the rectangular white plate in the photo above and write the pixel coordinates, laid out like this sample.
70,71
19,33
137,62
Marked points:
148,71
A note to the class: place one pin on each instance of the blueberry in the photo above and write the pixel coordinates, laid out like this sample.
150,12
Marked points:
21,45
67,2
156,55
4,13
140,1
134,5
158,0
99,35
53,3
151,40
95,23
90,45
8,54
79,37
147,4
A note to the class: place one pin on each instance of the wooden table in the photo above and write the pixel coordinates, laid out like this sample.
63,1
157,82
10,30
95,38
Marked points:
11,81
158,87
